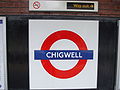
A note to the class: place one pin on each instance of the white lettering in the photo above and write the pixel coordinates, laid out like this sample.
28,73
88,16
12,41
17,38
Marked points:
53,54
48,55
63,55
80,55
67,54
72,54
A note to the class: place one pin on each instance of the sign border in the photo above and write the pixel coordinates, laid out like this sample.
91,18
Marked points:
64,7
117,87
4,52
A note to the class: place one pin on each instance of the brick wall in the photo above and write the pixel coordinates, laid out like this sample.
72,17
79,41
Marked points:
110,8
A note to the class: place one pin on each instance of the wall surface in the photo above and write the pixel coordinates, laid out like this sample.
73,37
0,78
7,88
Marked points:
110,8
17,39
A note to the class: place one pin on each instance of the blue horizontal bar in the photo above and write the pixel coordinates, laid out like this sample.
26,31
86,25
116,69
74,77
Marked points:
63,54
1,21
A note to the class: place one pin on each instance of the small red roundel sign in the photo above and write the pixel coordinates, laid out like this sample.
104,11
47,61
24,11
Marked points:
36,5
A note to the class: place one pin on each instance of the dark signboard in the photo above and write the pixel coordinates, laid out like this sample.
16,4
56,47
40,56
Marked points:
77,5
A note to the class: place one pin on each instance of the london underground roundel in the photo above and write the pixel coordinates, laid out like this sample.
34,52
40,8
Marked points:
43,35
63,35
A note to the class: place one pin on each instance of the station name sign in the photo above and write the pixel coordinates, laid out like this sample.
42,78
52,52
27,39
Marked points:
83,6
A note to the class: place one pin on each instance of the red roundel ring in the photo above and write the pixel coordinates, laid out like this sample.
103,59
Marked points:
64,34
36,5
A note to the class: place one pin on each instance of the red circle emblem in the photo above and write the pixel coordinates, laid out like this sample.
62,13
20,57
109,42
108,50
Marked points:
36,5
64,34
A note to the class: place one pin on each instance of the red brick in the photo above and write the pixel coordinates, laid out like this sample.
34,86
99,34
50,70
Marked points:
14,4
19,7
109,12
14,0
13,10
109,6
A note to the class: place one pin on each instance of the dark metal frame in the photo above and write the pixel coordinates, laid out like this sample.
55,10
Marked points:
17,50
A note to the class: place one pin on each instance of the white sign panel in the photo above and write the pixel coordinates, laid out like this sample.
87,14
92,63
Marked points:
57,5
63,54
3,71
118,63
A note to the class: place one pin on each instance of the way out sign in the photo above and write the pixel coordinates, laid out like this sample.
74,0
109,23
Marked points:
63,54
